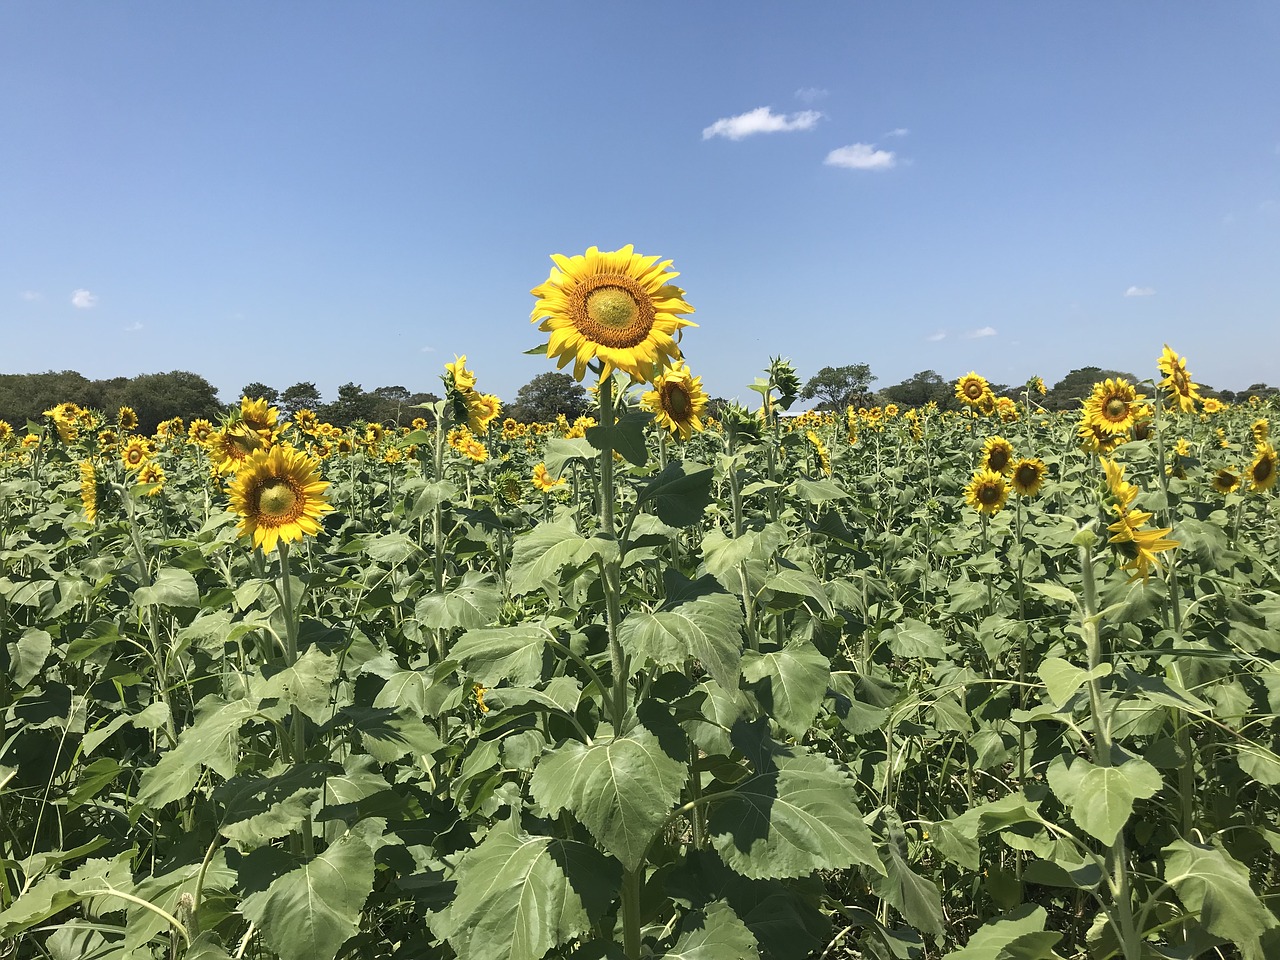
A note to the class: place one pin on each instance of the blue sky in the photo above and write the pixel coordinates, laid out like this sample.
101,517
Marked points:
338,192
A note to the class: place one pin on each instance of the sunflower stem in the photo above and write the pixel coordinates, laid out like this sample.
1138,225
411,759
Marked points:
297,722
609,570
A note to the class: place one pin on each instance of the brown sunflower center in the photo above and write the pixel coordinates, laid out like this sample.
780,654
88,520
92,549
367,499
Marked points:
1116,408
1026,475
1262,472
676,401
998,459
989,493
973,390
278,500
615,312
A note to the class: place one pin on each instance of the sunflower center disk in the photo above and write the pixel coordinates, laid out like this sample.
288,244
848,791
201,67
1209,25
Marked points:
1116,408
614,315
677,402
1026,476
277,499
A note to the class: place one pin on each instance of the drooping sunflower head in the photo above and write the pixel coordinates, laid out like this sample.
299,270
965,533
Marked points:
1225,480
987,492
616,307
127,419
1027,476
997,455
1138,544
1114,407
1261,430
972,389
458,377
279,496
1262,472
677,400
820,451
1122,491
1182,393
1036,385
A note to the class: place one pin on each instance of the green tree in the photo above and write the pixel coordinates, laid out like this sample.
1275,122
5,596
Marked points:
352,404
547,395
260,391
1067,393
179,393
299,396
919,389
25,396
840,387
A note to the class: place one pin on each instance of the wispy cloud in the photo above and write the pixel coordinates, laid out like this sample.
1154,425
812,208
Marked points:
31,296
133,327
1140,292
761,120
861,156
980,332
898,132
935,337
810,94
84,300
428,350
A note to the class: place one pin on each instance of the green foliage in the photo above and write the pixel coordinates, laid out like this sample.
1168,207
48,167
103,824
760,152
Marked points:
839,387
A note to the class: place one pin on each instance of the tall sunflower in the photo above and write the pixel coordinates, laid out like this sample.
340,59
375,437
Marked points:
482,410
1262,472
260,417
279,496
152,472
543,480
997,454
613,306
127,419
987,492
1027,476
972,389
1183,394
677,400
1114,407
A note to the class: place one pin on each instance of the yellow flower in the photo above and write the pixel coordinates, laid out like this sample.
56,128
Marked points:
230,447
677,400
1212,405
1113,408
6,433
127,419
66,417
31,441
476,451
89,490
1036,383
419,423
482,410
464,381
152,473
259,417
997,454
1027,476
1225,480
1262,472
1007,409
820,449
200,432
306,420
136,452
479,692
1182,392
279,496
1261,430
1122,491
972,389
613,306
986,492
393,455
1140,546
543,480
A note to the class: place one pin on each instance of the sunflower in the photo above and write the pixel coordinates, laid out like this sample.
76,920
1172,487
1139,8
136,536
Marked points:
6,433
1139,546
820,451
677,400
987,492
1027,476
374,434
1036,384
260,417
279,496
460,378
151,473
1114,407
543,480
614,306
136,452
1225,480
66,417
419,423
482,410
972,389
306,420
476,451
997,454
344,445
89,490
200,432
1261,430
393,455
1262,472
1212,405
1182,392
1007,409
1122,491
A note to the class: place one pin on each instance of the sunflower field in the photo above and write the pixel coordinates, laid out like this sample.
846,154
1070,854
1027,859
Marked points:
877,683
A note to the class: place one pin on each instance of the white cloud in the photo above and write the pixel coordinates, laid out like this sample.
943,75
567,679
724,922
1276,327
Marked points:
31,296
761,120
133,327
428,350
84,300
981,332
935,337
861,156
898,132
810,94
1140,292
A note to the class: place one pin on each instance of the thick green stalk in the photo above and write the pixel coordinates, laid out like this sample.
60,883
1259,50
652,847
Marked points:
297,722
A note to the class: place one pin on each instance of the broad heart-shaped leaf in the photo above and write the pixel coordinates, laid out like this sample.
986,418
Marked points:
916,898
797,812
561,452
620,789
539,554
1101,798
797,678
707,628
1212,883
172,587
722,553
518,896
497,653
307,685
212,741
1063,678
53,893
679,493
312,910
714,933
1018,935
260,808
791,586
626,436
31,651
475,602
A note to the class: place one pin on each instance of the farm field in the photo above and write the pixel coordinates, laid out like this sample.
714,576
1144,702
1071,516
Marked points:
875,682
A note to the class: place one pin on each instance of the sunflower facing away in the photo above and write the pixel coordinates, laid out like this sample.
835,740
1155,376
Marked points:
987,492
279,496
1114,407
1262,472
997,454
89,490
972,389
677,400
613,306
1182,392
1027,476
